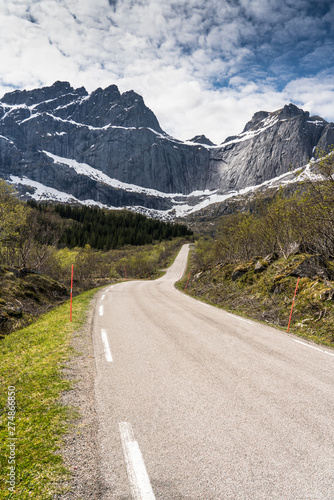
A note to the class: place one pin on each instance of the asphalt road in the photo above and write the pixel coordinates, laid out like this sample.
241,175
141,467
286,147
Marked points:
196,403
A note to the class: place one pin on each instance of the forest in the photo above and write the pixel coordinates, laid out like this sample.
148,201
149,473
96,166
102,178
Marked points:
105,229
30,232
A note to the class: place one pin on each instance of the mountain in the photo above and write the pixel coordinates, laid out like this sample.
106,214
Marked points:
201,139
107,148
270,144
113,133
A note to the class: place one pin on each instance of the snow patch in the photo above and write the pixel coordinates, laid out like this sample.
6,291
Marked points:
6,139
213,197
245,136
317,123
43,192
97,175
46,193
181,207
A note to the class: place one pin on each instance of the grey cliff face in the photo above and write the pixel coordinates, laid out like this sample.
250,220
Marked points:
270,145
112,132
85,145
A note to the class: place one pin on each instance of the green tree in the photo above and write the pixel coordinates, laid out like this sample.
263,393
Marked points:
319,203
13,214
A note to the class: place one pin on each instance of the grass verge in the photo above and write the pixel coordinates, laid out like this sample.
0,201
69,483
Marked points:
31,430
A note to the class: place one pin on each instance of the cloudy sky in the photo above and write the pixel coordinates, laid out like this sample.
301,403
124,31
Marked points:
202,66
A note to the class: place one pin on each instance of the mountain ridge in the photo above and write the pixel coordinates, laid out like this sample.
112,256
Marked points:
108,148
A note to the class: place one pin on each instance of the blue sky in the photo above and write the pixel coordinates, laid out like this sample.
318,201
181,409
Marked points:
202,67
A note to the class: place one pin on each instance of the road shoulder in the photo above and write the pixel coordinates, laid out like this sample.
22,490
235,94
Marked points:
80,451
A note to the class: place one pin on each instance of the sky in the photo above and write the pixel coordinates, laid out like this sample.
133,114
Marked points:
202,66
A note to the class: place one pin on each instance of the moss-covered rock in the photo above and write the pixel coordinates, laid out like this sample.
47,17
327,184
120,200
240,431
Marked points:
242,269
312,266
24,295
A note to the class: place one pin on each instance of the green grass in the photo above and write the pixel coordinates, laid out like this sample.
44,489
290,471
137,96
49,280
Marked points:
32,361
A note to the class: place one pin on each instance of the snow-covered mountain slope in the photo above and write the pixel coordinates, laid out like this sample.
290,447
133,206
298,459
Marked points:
271,145
112,132
180,206
108,148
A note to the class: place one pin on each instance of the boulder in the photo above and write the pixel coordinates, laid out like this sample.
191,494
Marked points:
311,267
260,267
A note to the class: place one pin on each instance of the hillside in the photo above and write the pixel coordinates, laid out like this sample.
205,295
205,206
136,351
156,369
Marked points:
258,253
263,288
25,294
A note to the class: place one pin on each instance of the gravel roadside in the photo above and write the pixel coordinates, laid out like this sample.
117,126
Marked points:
81,452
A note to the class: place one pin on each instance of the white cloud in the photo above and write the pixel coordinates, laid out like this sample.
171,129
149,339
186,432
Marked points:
314,94
202,67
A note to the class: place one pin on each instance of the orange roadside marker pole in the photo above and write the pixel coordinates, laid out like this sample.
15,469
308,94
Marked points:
185,288
71,293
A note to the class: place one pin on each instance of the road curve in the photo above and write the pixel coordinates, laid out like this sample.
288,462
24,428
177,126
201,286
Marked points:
196,403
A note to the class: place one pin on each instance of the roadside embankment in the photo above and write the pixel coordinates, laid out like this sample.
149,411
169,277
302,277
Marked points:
263,289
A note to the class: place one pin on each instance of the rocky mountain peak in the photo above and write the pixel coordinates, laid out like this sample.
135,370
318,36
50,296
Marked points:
291,111
135,112
108,146
59,87
256,119
130,96
101,108
287,112
108,95
201,139
36,96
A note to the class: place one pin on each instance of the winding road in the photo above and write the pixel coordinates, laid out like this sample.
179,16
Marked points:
197,403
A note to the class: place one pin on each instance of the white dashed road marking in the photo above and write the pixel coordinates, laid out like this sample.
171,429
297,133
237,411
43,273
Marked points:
141,488
106,346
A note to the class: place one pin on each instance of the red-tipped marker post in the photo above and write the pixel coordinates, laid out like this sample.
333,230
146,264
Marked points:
185,288
71,293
